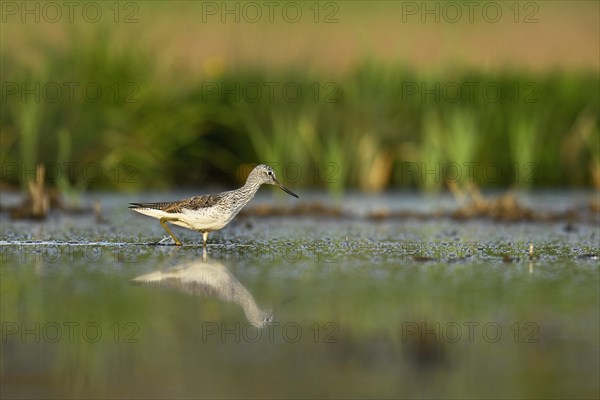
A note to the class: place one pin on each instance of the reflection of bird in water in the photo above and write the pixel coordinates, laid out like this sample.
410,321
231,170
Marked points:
209,279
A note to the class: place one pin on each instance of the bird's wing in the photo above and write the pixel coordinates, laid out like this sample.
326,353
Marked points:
163,206
193,203
204,201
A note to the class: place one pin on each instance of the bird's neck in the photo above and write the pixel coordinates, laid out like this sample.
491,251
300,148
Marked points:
248,191
250,187
254,315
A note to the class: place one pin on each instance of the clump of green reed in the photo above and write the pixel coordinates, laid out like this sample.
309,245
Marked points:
25,129
448,149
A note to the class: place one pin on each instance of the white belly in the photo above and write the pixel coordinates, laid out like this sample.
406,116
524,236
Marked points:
189,219
201,221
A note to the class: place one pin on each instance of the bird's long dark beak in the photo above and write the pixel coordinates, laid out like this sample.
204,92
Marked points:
288,191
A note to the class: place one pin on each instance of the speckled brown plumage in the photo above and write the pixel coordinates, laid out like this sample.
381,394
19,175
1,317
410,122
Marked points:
193,203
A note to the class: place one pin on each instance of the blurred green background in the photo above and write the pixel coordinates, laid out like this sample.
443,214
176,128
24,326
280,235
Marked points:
352,95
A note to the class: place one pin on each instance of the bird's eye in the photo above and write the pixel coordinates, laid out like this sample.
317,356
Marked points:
270,173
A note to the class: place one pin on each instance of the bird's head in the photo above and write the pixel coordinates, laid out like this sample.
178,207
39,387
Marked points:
265,175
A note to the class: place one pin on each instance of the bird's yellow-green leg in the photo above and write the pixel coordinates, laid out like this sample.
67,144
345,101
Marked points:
204,238
163,222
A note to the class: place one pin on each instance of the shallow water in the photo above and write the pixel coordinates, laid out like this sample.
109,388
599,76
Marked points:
301,307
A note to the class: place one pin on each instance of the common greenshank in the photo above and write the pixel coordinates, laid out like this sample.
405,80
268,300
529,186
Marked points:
209,212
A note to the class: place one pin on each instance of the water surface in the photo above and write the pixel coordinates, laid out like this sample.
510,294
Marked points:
300,307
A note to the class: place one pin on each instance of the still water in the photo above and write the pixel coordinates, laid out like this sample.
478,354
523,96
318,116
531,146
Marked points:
299,307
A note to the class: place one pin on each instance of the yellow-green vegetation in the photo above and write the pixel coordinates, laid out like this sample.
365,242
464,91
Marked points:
109,118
